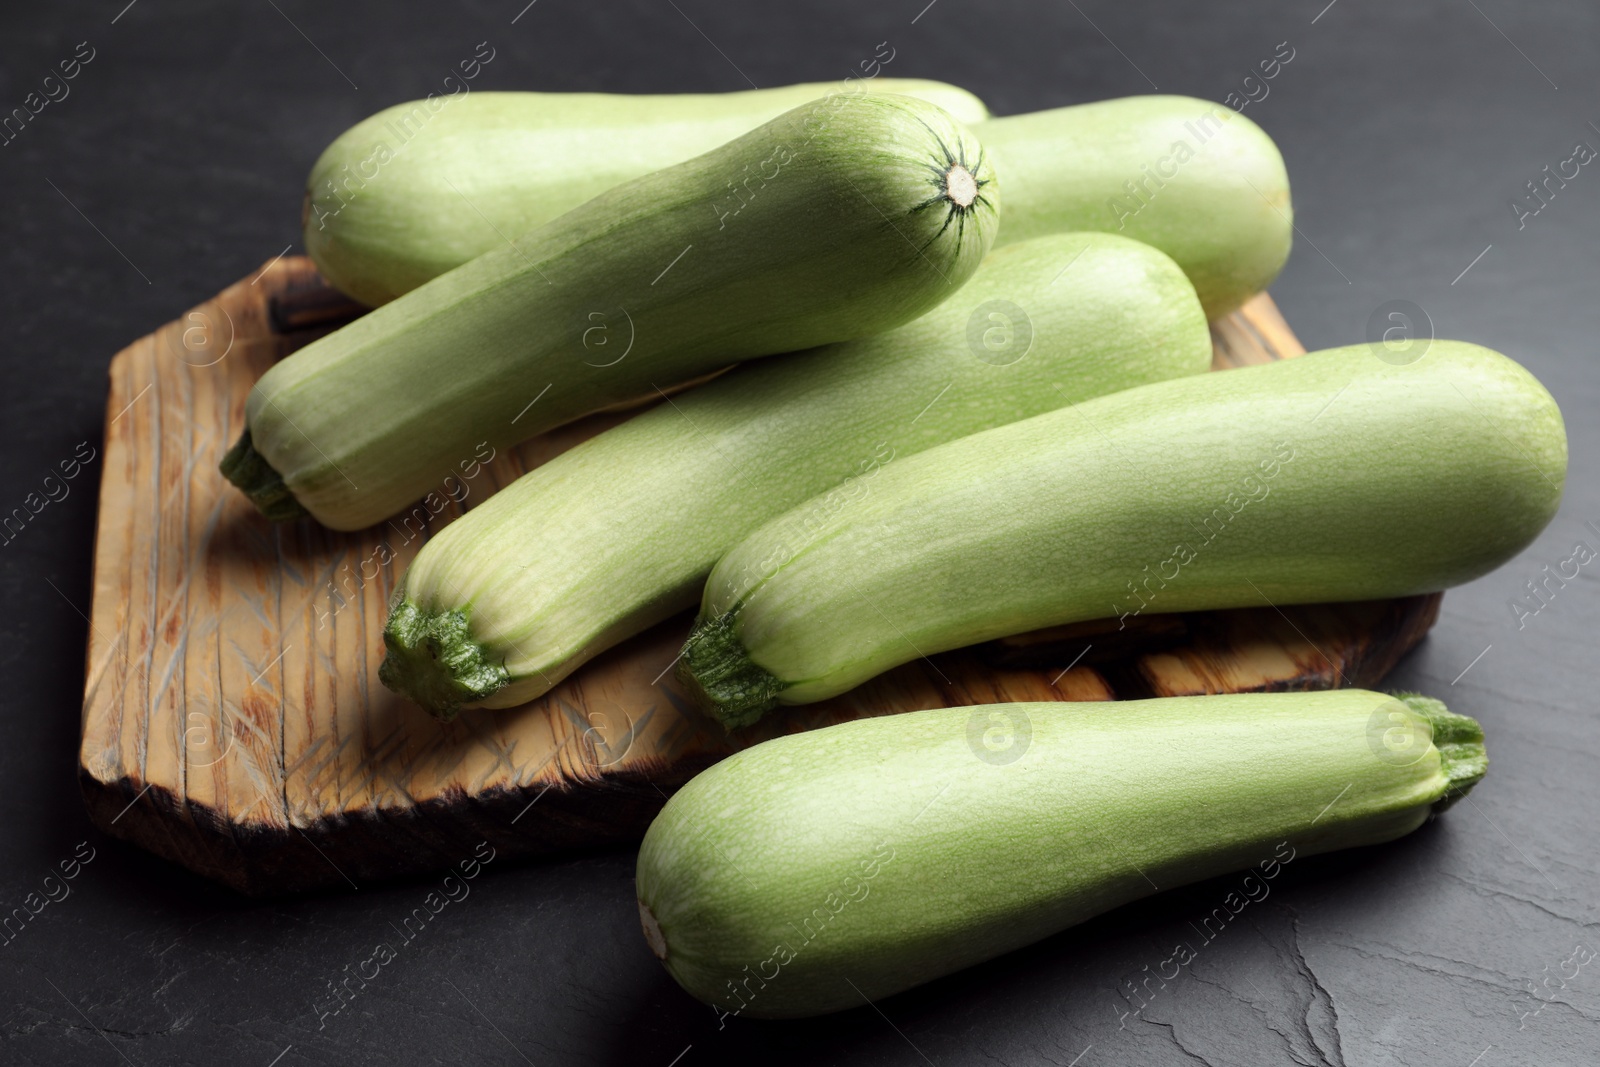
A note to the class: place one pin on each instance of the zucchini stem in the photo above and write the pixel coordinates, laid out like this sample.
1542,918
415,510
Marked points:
432,657
958,186
721,676
250,471
652,932
1459,740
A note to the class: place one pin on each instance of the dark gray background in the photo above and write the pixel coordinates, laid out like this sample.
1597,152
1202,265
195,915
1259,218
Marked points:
1407,129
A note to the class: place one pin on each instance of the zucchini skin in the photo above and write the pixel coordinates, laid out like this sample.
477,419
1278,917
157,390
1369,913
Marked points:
1193,178
891,851
422,187
401,197
848,231
621,531
1334,476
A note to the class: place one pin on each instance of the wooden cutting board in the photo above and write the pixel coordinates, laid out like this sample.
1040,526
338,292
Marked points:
233,720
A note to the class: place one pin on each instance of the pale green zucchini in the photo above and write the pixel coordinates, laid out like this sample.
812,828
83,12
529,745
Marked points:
621,532
826,869
420,188
867,211
1195,179
1335,476
402,197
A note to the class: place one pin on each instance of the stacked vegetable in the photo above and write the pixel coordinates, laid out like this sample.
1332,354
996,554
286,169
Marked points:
539,257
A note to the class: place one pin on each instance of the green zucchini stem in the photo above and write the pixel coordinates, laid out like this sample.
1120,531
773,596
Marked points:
250,471
432,657
1459,740
722,678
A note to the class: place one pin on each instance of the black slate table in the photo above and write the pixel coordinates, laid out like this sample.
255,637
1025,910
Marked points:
174,165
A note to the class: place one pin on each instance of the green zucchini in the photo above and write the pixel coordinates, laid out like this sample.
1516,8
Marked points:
1336,476
403,197
621,531
860,213
420,188
826,869
1195,179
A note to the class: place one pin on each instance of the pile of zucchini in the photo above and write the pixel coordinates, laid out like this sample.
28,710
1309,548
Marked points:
968,398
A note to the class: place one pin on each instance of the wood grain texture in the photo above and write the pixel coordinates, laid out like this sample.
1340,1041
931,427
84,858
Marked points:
233,721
